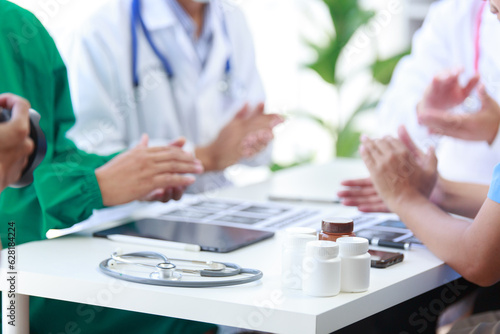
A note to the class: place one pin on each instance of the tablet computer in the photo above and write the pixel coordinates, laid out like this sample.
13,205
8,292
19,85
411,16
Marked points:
212,238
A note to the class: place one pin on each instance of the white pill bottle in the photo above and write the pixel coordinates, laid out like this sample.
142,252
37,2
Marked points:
294,250
321,269
355,264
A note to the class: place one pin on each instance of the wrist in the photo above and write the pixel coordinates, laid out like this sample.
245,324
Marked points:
204,154
101,177
403,198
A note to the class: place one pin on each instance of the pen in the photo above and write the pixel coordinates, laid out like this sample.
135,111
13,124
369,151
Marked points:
305,200
390,244
153,242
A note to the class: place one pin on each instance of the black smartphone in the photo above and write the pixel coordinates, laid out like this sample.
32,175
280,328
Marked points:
381,259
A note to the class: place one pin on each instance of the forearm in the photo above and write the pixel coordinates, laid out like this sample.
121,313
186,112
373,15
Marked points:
439,231
460,198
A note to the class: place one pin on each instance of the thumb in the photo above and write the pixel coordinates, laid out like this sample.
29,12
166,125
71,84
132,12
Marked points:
471,84
144,140
484,96
179,142
243,113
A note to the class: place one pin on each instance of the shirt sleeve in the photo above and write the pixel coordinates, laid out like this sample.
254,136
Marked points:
66,186
494,192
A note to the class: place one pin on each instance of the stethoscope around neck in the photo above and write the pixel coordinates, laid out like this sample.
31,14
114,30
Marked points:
136,19
166,273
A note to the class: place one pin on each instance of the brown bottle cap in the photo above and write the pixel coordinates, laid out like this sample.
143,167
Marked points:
337,225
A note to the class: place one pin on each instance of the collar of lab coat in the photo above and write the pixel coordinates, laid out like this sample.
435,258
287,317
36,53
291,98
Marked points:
158,15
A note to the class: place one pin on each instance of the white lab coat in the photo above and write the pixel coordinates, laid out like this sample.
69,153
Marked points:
446,41
112,114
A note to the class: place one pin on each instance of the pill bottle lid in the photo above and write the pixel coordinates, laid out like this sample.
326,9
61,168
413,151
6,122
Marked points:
298,241
352,246
322,249
337,225
301,230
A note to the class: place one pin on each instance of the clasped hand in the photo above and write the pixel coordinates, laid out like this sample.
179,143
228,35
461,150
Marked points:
444,93
147,173
247,134
396,167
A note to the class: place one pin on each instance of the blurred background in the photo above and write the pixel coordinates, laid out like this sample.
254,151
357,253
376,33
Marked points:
324,63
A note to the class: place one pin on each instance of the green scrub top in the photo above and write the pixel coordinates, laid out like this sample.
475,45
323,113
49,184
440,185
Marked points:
65,189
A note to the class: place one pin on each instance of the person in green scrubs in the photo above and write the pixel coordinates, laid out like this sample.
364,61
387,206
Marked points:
69,183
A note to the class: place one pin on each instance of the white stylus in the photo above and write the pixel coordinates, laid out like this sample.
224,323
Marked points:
153,242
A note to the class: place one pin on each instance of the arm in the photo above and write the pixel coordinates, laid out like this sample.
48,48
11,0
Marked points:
464,199
469,248
70,184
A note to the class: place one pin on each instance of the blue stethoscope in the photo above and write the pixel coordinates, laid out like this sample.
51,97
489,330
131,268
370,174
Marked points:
136,18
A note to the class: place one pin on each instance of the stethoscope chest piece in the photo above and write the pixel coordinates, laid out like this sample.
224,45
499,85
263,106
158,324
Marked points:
166,271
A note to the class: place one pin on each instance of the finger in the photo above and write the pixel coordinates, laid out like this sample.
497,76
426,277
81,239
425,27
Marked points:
357,192
178,167
243,113
169,180
171,153
144,141
177,193
486,100
367,157
371,146
405,138
357,201
18,127
179,142
275,120
9,101
382,147
471,85
430,157
380,207
167,195
365,182
259,109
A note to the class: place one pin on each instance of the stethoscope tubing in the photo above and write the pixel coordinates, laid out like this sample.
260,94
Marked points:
136,19
255,275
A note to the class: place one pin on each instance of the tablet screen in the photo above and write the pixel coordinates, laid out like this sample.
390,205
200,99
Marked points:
212,238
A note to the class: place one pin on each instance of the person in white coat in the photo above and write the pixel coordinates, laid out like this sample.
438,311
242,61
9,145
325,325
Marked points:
458,37
446,94
169,68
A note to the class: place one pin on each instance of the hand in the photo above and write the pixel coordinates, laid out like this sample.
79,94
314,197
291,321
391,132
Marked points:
398,167
480,126
147,173
248,133
362,194
445,92
15,143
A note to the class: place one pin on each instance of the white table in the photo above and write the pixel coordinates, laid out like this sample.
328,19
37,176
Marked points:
53,268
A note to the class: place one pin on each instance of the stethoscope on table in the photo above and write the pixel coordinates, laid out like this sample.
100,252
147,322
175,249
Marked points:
136,19
166,273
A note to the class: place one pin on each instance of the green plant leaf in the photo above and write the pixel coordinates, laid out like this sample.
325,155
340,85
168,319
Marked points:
348,138
347,17
382,70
